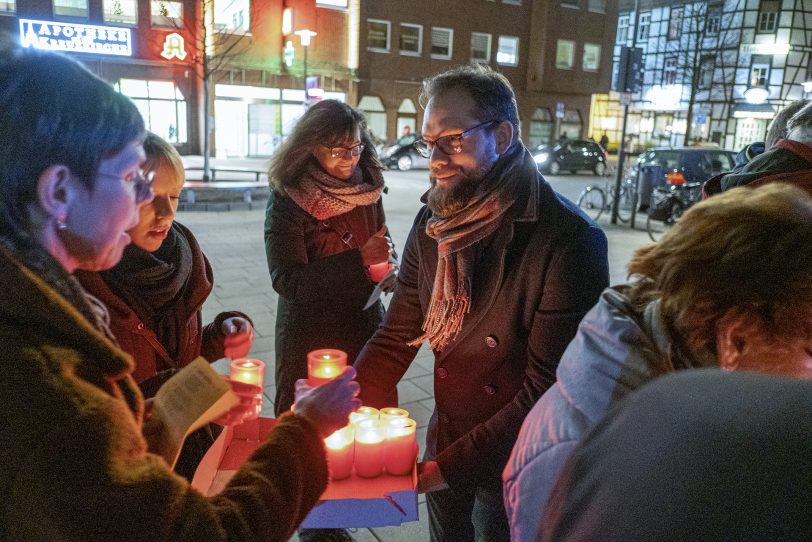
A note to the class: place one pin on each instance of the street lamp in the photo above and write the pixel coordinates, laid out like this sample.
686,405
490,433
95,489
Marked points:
305,36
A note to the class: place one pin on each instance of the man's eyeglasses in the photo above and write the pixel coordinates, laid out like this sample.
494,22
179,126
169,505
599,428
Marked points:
345,152
450,144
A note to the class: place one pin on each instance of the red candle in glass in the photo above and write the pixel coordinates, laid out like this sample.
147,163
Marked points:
400,447
324,365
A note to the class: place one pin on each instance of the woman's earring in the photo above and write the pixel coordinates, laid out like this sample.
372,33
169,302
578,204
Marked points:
60,223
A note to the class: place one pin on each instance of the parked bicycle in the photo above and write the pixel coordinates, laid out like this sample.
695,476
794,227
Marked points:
668,204
596,199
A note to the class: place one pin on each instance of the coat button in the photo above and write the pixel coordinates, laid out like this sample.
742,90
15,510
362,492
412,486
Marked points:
442,372
140,325
490,390
491,341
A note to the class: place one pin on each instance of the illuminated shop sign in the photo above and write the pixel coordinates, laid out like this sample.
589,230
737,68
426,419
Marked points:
174,47
77,38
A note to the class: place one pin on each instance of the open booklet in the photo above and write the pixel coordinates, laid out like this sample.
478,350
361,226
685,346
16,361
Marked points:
190,399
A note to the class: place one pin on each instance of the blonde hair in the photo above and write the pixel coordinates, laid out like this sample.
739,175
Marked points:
161,153
748,252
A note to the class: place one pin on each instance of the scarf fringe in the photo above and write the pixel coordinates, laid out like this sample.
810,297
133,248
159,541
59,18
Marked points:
444,320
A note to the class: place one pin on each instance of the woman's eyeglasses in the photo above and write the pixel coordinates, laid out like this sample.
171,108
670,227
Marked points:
142,180
345,152
450,144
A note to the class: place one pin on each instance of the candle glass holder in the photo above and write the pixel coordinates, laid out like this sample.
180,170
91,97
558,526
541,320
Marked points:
364,413
249,371
340,452
389,413
324,364
400,447
368,449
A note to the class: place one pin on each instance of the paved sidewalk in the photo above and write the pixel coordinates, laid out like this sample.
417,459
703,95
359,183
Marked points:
234,243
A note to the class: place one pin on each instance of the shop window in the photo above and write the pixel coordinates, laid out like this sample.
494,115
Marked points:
592,57
232,15
645,26
480,47
622,29
373,110
161,104
675,24
8,6
508,52
514,2
565,54
596,6
335,4
442,43
670,71
378,35
120,11
541,128
411,39
70,8
167,13
768,15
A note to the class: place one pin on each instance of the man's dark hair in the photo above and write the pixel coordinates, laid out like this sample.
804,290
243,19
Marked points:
491,92
329,123
54,111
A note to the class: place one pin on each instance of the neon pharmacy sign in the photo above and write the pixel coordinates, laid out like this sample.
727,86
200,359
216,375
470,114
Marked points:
76,38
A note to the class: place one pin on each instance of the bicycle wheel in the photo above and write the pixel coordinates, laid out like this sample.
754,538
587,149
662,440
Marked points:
628,199
593,201
656,228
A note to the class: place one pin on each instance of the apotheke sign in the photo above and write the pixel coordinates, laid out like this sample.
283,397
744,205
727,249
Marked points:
77,38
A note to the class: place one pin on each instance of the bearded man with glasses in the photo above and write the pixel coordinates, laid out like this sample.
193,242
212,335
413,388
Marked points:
496,274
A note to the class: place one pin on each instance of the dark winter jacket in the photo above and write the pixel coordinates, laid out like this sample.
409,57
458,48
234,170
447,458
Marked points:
317,270
787,161
534,279
74,464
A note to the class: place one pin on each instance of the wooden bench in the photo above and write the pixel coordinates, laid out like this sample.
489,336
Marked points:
247,188
230,169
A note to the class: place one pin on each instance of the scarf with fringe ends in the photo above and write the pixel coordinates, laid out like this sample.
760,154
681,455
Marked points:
457,237
323,196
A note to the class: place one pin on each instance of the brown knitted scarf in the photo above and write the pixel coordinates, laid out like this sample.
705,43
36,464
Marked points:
457,237
323,196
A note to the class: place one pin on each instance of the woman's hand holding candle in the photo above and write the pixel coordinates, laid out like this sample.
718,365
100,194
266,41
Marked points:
239,336
250,397
328,406
375,254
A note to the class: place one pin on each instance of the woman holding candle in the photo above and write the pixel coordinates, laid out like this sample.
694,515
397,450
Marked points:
76,465
324,231
156,292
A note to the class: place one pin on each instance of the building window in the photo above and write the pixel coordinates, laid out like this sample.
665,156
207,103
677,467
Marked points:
335,4
645,25
597,6
507,53
622,29
675,24
378,35
480,47
411,39
233,15
120,11
570,3
161,104
670,71
8,6
514,2
565,54
768,15
706,67
592,57
714,21
759,74
442,43
70,8
167,13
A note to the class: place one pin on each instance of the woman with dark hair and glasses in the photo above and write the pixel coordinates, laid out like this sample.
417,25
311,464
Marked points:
324,228
75,458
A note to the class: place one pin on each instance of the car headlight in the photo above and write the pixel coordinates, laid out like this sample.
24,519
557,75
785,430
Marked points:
541,157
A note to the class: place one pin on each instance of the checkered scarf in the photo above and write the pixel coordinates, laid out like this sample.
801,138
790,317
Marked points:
323,196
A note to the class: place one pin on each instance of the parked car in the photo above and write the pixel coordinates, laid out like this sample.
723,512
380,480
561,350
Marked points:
663,166
573,155
403,155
